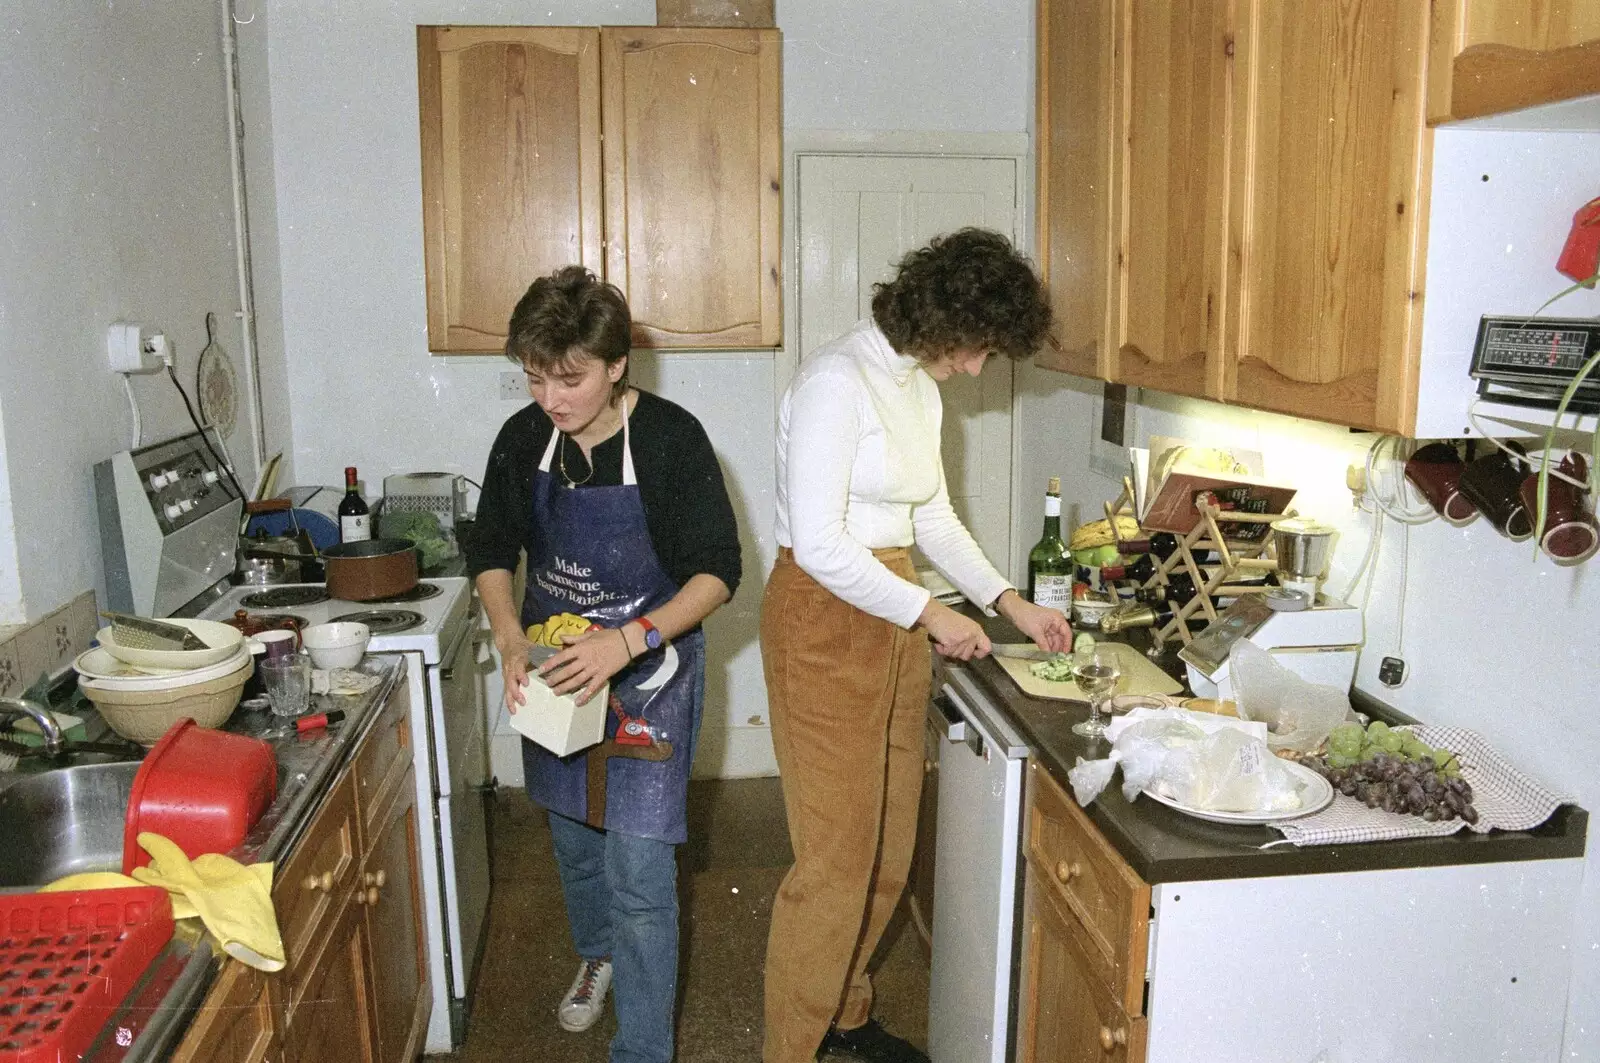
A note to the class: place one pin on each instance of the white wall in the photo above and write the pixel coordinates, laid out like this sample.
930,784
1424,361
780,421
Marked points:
117,204
363,389
1494,639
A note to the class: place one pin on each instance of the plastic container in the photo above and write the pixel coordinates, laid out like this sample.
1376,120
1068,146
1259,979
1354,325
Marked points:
67,960
201,788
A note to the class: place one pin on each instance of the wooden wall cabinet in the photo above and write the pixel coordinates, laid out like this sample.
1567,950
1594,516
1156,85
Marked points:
348,898
1256,177
1085,933
651,155
1492,56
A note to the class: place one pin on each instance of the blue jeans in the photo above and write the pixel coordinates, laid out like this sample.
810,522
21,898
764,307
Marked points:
622,902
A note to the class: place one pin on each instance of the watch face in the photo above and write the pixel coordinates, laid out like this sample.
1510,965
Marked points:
652,638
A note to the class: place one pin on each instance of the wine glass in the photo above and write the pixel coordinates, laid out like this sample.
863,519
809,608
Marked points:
1096,674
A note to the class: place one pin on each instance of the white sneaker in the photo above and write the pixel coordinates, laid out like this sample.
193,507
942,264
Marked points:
584,1001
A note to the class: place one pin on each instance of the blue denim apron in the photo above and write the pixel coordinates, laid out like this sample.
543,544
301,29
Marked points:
598,562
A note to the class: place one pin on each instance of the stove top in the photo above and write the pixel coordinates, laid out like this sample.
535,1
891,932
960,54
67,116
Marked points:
434,615
383,621
285,597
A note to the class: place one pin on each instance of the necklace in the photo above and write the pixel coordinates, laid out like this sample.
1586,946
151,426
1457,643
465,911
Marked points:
561,455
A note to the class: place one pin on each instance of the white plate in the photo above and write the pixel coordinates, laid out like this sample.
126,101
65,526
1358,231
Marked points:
99,669
1316,796
222,641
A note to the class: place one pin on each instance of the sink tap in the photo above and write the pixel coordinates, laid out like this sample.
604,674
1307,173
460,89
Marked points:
48,727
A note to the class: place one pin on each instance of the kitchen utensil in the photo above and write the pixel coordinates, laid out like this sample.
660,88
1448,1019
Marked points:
279,642
1435,470
54,1011
444,494
337,645
1302,546
1492,482
376,568
222,642
201,788
248,625
288,683
143,633
144,715
263,571
1570,531
1316,794
216,386
1139,676
1021,651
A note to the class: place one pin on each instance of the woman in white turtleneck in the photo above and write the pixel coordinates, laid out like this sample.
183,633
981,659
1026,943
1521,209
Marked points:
846,627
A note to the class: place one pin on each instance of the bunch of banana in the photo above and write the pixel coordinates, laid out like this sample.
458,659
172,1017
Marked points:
551,631
1097,533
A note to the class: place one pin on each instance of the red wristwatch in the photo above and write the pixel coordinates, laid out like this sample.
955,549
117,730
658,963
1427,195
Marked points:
652,634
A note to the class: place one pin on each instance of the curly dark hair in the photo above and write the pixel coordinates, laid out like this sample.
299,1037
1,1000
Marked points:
570,310
966,290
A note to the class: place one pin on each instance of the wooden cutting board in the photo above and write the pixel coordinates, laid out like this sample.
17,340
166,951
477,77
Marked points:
1139,676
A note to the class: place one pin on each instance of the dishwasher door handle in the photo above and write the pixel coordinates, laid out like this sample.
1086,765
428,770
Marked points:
955,725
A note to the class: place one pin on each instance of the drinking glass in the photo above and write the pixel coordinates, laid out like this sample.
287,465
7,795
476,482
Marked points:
288,683
1096,674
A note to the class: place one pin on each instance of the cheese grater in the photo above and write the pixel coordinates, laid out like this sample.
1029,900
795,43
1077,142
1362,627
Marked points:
142,633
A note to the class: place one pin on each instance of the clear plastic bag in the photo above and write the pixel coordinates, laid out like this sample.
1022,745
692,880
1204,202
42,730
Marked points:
1299,715
1229,771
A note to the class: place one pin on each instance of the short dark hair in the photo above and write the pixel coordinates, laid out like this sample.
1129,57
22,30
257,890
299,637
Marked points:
966,290
570,309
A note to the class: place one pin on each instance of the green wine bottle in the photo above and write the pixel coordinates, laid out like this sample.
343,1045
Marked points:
1049,564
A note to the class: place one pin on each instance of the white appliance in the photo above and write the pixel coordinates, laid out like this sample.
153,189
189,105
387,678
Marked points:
976,881
440,636
1319,643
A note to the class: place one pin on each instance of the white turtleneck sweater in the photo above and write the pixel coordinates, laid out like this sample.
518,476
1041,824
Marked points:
859,470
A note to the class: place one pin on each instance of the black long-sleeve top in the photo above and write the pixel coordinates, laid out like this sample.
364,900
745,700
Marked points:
686,506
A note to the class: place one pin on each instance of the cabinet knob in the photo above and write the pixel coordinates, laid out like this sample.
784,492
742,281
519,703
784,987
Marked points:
378,878
323,882
1066,872
368,896
928,766
1110,1039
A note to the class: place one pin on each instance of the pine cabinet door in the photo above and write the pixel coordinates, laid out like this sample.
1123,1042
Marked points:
1492,56
332,1023
391,897
1167,304
235,1024
510,170
1327,207
693,170
1077,115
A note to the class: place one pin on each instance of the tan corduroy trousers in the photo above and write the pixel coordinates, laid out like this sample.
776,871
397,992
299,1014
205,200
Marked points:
848,694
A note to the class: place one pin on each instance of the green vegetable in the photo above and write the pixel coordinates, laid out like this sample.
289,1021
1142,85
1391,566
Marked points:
1057,669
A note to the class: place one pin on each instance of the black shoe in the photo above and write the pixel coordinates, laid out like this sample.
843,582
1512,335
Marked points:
871,1043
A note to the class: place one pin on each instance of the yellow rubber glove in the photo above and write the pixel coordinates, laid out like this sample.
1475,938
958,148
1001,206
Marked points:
112,880
234,901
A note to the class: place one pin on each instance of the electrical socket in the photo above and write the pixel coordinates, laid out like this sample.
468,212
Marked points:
131,351
1355,478
513,387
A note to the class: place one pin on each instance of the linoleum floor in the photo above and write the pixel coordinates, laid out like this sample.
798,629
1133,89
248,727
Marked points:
728,873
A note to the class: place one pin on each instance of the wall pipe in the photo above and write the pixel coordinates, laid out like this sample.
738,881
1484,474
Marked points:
241,233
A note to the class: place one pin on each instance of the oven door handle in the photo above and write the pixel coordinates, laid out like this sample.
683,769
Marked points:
955,726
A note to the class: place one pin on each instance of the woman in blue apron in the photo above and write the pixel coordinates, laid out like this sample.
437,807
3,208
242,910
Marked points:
616,497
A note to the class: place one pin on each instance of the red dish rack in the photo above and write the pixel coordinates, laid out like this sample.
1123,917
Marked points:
67,960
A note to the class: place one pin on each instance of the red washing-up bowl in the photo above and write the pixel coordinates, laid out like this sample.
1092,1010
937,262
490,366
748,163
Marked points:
201,788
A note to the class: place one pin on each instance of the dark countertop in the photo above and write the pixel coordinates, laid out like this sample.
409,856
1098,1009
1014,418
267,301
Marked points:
1164,845
152,1019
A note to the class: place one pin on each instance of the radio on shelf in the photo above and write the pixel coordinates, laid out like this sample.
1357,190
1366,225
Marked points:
1530,361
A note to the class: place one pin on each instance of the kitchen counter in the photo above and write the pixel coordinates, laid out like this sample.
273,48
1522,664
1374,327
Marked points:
153,1018
1164,845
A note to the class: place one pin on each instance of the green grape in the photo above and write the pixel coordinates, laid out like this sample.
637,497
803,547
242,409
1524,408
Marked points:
1351,732
1376,728
1369,752
1339,760
1389,742
1414,748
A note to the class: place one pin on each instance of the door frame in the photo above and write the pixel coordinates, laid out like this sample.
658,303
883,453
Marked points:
1015,147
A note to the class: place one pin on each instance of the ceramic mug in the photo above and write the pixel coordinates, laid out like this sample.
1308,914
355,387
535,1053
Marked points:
1436,469
1570,531
1494,484
276,642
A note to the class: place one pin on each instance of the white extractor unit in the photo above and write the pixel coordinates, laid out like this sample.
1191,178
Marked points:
976,879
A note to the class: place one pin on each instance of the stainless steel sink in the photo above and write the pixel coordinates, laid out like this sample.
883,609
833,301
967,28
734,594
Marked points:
63,821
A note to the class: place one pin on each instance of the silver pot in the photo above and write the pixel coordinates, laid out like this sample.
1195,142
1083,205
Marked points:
264,571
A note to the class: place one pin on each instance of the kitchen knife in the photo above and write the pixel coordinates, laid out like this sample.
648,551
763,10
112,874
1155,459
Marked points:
1022,651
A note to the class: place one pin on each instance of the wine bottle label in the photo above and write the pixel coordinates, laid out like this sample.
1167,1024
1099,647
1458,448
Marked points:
1052,505
1053,592
355,529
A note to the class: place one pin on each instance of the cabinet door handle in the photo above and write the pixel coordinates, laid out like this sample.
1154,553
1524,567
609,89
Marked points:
1066,872
323,882
1110,1039
375,878
368,896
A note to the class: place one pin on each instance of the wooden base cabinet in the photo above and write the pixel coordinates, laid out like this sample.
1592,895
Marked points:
1085,933
348,898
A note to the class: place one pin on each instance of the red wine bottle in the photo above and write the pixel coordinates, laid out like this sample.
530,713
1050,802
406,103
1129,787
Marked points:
355,521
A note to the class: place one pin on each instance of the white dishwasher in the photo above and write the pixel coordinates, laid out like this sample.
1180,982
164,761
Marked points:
977,884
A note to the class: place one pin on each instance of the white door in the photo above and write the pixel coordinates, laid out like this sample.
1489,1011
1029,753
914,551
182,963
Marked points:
858,215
